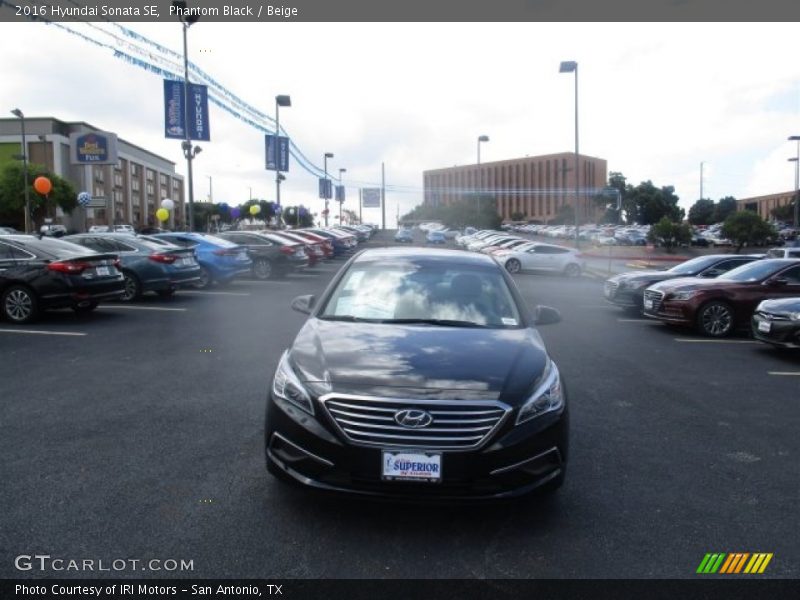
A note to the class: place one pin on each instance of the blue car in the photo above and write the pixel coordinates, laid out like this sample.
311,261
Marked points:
404,236
220,260
436,237
146,265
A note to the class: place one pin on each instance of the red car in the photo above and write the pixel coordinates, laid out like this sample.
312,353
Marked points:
327,245
718,306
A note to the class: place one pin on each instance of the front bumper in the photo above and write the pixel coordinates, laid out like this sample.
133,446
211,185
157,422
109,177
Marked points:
515,460
783,333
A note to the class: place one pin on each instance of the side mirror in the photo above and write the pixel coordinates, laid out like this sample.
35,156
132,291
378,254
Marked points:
304,304
779,281
546,315
711,273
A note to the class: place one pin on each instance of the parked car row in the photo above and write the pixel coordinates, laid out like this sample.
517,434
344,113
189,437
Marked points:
718,294
80,271
518,254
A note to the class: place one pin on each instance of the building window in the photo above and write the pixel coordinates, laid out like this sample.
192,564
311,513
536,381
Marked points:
98,175
135,185
150,175
150,189
118,180
134,170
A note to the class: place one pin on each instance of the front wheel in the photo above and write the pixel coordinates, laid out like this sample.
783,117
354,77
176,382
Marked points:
513,265
20,304
715,319
572,270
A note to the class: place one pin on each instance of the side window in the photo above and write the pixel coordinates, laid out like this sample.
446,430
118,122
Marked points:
5,252
95,244
19,253
123,247
727,265
793,275
793,254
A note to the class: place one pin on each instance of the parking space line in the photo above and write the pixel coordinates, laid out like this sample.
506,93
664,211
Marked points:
260,281
636,321
784,373
215,293
127,307
712,341
35,332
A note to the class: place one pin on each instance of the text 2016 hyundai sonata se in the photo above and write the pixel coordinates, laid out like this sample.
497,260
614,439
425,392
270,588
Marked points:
419,374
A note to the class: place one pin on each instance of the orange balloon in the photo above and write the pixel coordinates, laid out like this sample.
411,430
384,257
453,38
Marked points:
42,185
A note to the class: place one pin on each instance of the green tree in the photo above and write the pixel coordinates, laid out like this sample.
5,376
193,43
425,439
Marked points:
669,234
565,216
747,227
476,210
783,213
724,208
518,216
12,196
652,203
297,216
702,212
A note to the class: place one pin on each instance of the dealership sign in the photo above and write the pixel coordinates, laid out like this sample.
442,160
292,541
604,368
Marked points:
371,197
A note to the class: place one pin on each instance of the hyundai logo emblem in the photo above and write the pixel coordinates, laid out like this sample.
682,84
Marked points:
413,418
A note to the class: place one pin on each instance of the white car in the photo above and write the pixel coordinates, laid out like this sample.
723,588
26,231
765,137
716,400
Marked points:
98,228
543,257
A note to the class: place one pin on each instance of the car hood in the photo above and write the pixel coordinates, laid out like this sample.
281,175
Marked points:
642,276
781,306
430,361
684,284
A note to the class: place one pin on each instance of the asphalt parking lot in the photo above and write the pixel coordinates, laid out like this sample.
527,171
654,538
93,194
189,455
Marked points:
137,432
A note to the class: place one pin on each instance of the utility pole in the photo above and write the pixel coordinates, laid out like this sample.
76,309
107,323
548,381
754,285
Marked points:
383,197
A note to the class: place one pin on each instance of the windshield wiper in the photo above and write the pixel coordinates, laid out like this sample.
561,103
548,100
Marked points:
441,322
350,319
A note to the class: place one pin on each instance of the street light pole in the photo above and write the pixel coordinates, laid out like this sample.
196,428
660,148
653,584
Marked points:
187,20
281,100
325,191
482,138
341,201
701,180
796,220
18,113
572,67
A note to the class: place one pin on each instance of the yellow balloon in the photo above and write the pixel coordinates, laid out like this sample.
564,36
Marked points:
255,209
162,214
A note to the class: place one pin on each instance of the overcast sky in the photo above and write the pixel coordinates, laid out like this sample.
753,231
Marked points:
655,99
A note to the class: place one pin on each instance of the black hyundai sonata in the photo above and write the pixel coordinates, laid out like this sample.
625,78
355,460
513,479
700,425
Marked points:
419,374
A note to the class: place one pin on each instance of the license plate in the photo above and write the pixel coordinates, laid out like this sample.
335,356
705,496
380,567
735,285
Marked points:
187,261
648,304
103,271
412,466
764,326
242,256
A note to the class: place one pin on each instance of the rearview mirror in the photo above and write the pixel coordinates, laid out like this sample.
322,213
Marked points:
546,315
304,304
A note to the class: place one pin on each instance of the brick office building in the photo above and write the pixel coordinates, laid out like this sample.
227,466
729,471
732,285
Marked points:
536,187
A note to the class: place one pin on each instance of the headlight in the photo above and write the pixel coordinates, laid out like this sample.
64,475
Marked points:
795,316
287,386
547,397
682,295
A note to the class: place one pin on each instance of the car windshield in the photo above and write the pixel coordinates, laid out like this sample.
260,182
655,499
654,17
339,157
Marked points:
754,271
410,292
694,266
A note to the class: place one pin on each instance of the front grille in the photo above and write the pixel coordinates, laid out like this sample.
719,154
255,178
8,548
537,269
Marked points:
656,297
456,425
772,316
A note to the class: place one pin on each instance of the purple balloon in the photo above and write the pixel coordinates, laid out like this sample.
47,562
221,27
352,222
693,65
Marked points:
235,212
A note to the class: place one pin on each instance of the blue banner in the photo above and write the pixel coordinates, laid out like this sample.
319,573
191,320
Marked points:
279,155
340,193
175,114
325,188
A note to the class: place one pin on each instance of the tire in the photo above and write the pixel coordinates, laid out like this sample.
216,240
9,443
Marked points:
19,304
262,269
513,265
85,308
205,279
133,288
572,270
715,319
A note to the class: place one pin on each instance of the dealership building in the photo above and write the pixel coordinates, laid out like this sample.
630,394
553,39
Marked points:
535,187
134,186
